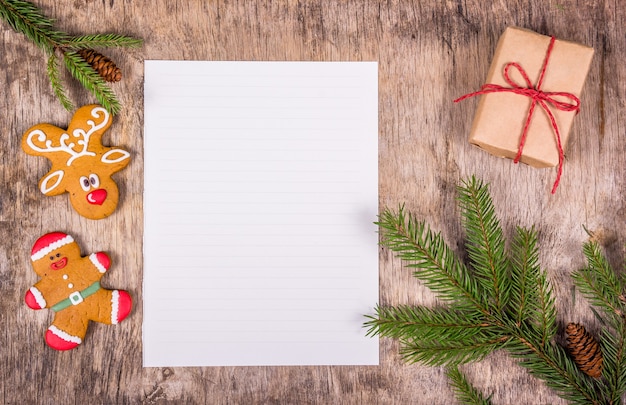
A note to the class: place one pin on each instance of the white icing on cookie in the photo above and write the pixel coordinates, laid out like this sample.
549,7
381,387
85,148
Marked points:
64,335
41,301
115,305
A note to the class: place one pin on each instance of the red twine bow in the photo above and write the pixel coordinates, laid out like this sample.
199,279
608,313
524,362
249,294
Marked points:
538,97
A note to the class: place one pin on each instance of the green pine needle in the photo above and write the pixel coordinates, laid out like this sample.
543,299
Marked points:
465,392
501,299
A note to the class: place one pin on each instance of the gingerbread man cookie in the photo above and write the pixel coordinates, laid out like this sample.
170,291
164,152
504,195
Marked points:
70,286
81,165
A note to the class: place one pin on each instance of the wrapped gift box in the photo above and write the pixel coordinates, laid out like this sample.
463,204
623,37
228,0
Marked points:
501,115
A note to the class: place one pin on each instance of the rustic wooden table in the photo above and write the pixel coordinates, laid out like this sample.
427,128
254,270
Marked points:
429,52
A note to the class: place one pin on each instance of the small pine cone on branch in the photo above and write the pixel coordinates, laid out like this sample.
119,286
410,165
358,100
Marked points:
584,349
101,64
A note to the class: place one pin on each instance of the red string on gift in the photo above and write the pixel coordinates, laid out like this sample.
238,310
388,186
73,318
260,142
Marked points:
537,96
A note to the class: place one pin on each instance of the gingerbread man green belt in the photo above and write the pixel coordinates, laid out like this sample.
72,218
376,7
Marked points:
76,297
72,283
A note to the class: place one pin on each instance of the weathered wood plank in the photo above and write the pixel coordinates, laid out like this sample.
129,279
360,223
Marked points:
429,52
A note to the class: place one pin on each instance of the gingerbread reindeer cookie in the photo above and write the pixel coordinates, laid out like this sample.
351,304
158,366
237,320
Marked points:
70,286
81,165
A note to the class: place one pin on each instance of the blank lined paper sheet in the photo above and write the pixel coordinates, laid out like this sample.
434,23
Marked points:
261,188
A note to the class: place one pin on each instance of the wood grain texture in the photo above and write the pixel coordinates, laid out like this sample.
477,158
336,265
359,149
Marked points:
429,53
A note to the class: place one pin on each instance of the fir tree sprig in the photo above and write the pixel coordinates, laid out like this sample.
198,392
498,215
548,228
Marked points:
92,81
552,364
524,267
26,18
103,41
501,299
531,296
600,285
614,371
485,243
404,322
465,391
55,82
605,290
438,267
439,352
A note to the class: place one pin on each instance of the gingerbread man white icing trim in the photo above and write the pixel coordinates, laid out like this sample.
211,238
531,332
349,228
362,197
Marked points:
52,246
70,286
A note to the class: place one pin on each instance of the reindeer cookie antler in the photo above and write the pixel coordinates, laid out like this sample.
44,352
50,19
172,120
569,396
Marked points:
81,165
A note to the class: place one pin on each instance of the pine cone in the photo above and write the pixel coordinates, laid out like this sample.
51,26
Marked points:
584,349
101,64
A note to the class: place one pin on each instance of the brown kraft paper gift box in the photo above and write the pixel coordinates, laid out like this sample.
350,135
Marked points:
501,116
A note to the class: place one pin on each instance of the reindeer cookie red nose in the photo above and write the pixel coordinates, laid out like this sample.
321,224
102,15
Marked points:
97,197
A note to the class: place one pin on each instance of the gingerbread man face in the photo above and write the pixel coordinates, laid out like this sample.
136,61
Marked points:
81,165
61,258
70,286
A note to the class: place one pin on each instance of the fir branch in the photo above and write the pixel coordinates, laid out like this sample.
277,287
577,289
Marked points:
90,80
522,320
55,82
524,267
546,309
438,267
614,364
599,284
605,274
449,353
531,294
485,242
551,364
102,41
404,322
465,392
26,18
